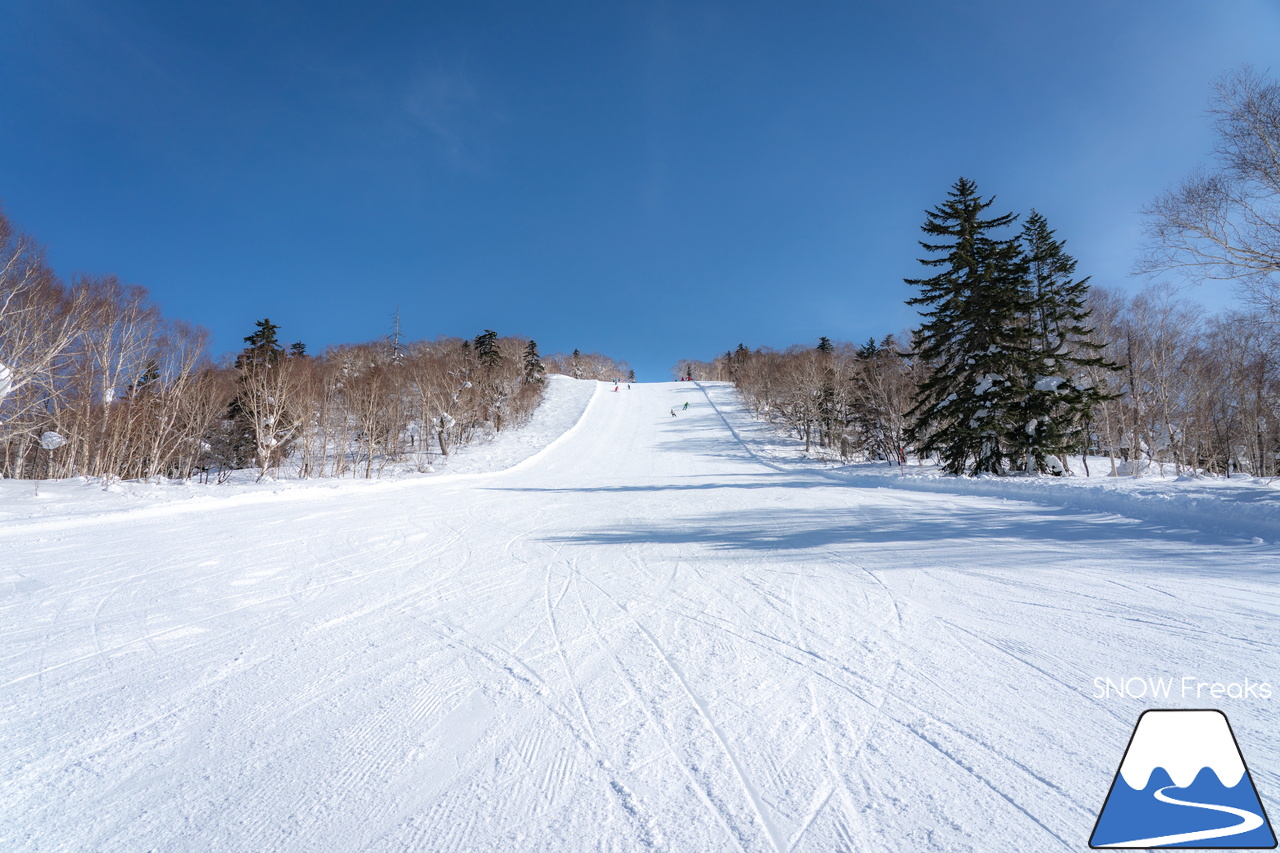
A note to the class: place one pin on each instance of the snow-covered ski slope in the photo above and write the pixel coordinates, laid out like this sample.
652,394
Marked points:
643,637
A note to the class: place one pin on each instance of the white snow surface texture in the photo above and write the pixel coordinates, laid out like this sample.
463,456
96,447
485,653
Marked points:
645,632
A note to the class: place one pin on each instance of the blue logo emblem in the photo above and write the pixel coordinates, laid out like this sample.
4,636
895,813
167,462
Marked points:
1183,783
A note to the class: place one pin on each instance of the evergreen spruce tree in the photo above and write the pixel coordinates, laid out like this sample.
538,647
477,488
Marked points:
262,349
1056,403
487,352
261,353
533,369
738,361
826,393
971,338
263,346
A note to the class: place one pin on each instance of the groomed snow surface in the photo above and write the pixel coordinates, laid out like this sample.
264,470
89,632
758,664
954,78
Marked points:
647,632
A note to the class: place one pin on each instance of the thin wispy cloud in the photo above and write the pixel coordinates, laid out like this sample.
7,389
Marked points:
445,107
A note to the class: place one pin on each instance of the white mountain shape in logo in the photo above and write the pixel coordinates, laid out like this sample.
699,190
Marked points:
1183,743
1178,754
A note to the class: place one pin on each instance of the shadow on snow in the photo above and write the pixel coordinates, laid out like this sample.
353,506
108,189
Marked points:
1086,535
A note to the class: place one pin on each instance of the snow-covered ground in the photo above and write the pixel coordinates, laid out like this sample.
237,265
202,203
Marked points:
650,632
1244,505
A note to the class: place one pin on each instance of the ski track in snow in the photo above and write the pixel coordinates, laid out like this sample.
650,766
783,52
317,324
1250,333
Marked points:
643,634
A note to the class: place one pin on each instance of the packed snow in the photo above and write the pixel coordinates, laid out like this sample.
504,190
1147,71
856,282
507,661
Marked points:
617,630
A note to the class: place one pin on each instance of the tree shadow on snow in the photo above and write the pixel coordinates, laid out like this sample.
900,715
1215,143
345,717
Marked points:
767,480
1065,533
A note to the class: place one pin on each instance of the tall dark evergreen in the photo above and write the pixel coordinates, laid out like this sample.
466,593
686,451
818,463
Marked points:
262,352
487,352
827,422
263,348
971,336
1057,401
533,369
737,360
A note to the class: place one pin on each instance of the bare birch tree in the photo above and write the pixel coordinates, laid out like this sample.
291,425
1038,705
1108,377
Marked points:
1223,222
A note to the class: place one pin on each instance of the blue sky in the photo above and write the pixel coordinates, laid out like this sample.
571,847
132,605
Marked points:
649,180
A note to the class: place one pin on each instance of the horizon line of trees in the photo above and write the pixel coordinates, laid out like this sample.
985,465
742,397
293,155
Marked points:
589,365
1194,393
357,408
95,381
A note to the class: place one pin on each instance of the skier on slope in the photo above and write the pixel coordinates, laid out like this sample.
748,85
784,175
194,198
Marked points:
673,413
686,406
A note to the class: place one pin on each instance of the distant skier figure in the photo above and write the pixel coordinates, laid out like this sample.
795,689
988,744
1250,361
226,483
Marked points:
673,413
686,405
